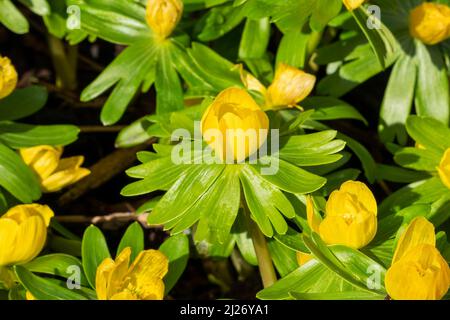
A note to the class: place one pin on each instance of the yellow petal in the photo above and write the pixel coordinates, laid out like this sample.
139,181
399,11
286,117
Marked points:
421,274
30,239
289,87
102,277
162,16
250,82
8,77
313,220
430,23
119,272
146,274
69,174
419,231
444,168
21,212
303,258
355,234
43,160
361,192
234,125
124,295
8,233
353,4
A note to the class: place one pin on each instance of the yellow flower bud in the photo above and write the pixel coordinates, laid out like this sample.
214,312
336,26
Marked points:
163,16
350,217
430,23
444,168
353,4
8,77
116,280
234,125
23,232
418,271
54,173
289,87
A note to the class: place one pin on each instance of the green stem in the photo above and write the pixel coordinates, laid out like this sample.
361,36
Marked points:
266,268
64,63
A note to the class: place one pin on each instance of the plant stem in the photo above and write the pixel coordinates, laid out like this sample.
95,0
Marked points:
64,63
266,268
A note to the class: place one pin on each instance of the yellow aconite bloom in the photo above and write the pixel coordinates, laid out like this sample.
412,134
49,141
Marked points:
430,23
418,271
117,280
289,86
234,125
8,77
163,16
54,173
350,217
353,4
23,231
444,168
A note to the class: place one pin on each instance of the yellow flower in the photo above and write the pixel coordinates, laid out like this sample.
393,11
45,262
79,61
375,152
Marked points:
430,23
163,16
8,77
350,217
23,231
289,86
234,125
353,4
444,168
116,280
418,271
54,173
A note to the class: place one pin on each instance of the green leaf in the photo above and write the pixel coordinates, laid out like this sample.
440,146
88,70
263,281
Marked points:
93,251
344,295
22,102
311,149
19,135
127,72
100,18
417,159
329,108
243,240
401,175
293,48
12,18
292,240
284,259
219,208
266,202
168,87
43,289
176,249
185,193
381,39
133,238
397,101
56,264
432,94
219,21
287,177
430,133
325,11
255,39
351,265
17,178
